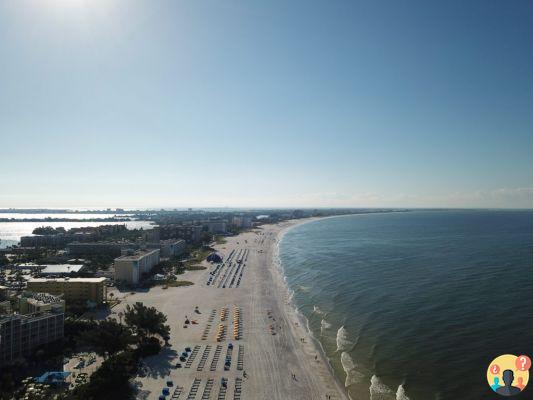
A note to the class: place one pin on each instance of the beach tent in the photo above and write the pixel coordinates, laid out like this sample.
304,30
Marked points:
214,257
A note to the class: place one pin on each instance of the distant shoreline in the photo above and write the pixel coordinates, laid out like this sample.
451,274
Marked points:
66,219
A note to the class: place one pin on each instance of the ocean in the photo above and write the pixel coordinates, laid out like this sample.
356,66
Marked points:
415,305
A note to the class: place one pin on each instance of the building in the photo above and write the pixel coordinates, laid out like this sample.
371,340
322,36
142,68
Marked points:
59,240
130,268
59,269
172,247
152,235
242,221
72,289
113,249
21,334
190,233
216,226
30,303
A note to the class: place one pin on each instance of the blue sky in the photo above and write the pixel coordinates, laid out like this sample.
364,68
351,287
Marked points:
266,103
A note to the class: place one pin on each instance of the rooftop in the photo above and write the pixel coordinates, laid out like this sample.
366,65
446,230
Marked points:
136,256
61,268
66,280
44,298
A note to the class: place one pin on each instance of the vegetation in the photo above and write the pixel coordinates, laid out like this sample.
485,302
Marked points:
220,239
146,321
194,268
3,260
144,326
107,337
48,230
111,380
171,283
198,256
100,261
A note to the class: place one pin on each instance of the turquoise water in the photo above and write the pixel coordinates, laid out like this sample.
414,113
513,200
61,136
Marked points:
415,305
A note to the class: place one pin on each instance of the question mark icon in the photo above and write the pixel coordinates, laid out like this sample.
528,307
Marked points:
523,363
495,369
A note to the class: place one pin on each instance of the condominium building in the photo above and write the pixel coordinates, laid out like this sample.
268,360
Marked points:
99,248
172,247
130,268
72,289
191,233
21,334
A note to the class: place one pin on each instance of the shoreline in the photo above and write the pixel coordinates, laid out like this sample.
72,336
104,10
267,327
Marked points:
293,307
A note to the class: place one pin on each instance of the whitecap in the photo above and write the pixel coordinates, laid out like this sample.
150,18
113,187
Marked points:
317,310
380,391
350,369
324,324
400,393
343,343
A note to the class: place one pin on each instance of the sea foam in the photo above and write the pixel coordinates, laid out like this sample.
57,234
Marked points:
350,369
324,325
317,310
380,391
400,393
343,341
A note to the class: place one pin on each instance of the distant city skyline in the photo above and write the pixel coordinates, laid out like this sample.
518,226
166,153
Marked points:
142,104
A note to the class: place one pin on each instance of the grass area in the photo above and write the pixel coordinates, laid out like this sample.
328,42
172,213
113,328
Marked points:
220,239
171,283
194,268
178,283
197,257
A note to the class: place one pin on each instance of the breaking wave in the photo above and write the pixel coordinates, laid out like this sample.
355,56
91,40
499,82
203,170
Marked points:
380,391
324,325
400,393
343,343
317,310
350,369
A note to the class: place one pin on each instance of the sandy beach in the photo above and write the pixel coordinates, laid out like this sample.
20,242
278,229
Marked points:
275,357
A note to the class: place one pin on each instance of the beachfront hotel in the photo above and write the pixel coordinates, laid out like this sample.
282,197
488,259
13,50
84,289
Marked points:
130,268
72,289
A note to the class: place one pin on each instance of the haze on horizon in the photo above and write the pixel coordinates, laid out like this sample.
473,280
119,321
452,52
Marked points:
266,104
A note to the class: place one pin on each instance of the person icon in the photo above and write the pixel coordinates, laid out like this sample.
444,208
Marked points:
496,383
520,384
508,389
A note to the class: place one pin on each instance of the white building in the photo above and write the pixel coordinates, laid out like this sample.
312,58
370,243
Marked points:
130,268
172,247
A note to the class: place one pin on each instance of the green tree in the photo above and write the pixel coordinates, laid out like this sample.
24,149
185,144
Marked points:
3,260
146,321
111,380
108,337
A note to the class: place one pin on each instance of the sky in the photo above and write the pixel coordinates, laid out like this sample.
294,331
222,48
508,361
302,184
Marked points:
128,103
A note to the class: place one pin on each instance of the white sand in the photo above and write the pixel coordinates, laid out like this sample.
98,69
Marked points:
269,360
